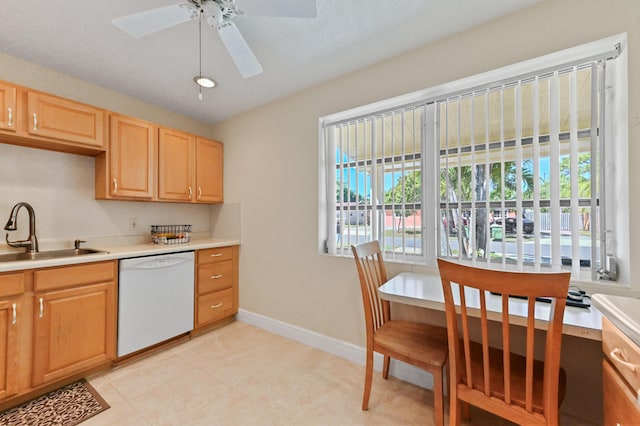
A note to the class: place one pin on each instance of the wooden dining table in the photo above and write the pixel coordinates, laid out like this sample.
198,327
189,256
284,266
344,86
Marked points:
425,290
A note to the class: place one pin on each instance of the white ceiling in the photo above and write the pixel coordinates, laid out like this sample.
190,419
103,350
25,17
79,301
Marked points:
76,37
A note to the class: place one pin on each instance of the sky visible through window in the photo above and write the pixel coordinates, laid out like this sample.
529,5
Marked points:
359,182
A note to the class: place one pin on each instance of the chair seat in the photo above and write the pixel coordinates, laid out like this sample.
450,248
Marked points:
518,369
421,345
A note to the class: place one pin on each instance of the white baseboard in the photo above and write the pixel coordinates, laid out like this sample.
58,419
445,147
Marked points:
336,347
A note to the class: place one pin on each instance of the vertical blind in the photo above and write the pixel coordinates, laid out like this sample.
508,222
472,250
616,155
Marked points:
508,174
378,178
519,163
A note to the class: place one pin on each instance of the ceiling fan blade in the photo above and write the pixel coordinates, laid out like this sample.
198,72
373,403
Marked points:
152,21
285,8
239,50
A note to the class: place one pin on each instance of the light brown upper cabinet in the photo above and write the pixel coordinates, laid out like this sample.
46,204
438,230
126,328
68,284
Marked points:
176,165
40,120
58,118
127,170
189,168
8,113
209,166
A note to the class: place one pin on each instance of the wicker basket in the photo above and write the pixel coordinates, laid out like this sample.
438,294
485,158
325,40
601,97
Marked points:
171,234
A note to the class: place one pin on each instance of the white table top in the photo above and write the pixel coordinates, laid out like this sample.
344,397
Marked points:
426,291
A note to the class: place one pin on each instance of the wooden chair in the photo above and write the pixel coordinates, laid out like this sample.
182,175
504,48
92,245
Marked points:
421,345
518,388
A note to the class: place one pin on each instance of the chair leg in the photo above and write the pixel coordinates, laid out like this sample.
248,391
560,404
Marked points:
385,367
466,413
368,379
438,397
455,413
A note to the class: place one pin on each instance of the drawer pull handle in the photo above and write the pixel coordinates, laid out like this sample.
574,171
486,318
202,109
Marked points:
10,121
618,356
217,305
35,122
215,277
41,314
14,314
199,193
216,254
115,185
190,192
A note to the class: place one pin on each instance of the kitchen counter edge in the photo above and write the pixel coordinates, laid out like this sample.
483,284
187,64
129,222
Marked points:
118,252
623,312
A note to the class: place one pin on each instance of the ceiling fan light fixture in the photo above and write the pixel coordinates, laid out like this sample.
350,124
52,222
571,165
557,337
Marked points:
204,81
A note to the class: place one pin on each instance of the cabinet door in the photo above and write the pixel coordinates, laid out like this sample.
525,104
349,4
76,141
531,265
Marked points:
209,171
620,402
74,330
9,317
8,115
58,118
131,151
176,158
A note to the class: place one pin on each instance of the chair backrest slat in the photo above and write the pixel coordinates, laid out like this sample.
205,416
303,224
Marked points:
506,346
465,332
531,308
484,331
372,274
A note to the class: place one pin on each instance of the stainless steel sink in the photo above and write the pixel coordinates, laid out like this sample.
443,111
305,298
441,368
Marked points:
51,254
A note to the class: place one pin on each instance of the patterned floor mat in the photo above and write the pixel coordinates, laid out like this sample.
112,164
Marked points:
66,406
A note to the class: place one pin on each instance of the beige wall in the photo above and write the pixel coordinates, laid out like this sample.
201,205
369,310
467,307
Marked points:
271,169
61,186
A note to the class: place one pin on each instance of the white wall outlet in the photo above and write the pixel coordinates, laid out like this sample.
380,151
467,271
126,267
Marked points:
133,224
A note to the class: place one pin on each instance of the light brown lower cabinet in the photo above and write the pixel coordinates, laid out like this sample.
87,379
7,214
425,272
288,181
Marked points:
9,347
216,285
12,327
55,324
620,377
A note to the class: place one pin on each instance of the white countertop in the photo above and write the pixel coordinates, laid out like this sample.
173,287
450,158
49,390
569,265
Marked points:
118,252
623,312
426,291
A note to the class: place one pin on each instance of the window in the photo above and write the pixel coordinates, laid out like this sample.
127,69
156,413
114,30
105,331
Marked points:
511,168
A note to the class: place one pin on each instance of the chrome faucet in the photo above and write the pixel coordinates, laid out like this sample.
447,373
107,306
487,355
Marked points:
31,244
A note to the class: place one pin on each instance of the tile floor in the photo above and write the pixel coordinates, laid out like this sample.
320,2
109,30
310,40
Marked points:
243,375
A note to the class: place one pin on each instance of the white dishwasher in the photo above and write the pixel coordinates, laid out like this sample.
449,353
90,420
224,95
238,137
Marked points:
155,299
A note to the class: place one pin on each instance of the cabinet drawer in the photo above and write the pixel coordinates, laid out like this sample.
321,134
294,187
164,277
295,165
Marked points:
620,404
69,276
215,276
215,306
217,254
12,284
622,353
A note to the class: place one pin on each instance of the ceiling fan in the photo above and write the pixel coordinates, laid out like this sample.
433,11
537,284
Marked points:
220,15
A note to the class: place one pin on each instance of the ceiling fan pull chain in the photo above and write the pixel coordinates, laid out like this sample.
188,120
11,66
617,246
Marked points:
200,52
